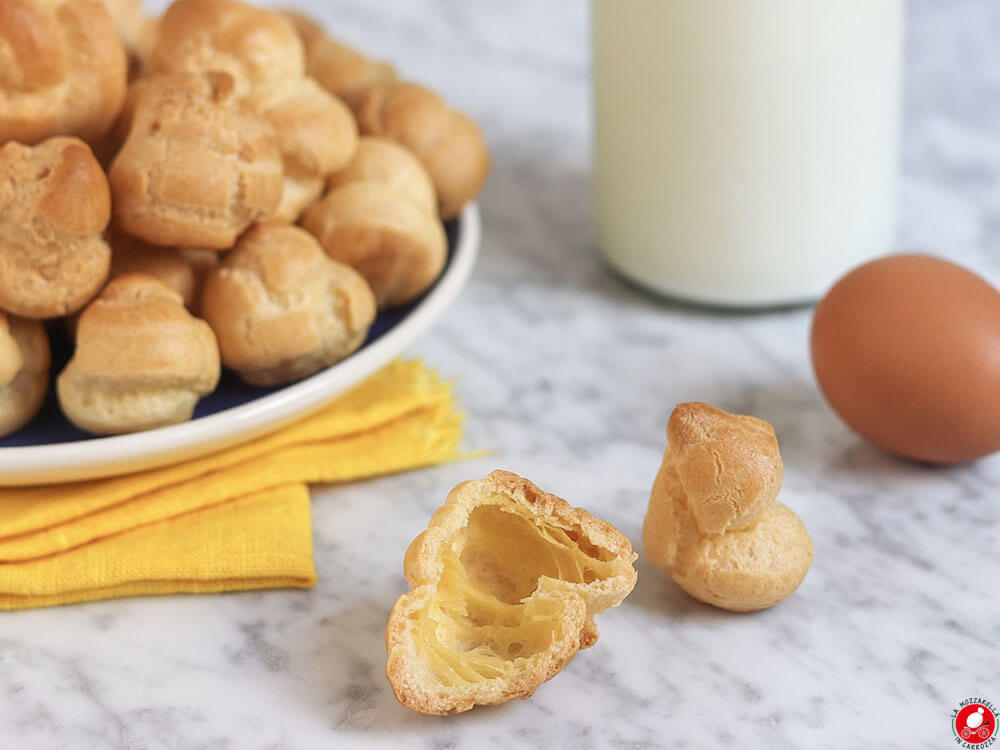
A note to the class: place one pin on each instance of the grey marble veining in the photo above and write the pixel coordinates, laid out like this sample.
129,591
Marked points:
569,376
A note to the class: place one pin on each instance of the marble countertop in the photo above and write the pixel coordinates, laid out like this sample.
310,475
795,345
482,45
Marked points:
569,375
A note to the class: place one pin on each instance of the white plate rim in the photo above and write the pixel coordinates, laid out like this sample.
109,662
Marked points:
123,454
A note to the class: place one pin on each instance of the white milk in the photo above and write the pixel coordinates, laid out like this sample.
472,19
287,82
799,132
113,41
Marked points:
745,150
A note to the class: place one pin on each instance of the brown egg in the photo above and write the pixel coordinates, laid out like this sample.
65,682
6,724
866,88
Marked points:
906,350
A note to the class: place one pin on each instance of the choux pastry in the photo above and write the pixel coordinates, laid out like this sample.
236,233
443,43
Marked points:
264,54
55,204
181,269
197,167
713,524
253,45
446,141
24,371
392,241
282,309
505,583
141,360
62,70
318,136
381,160
338,68
173,266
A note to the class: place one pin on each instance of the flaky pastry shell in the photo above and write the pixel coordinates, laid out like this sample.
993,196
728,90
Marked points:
713,523
505,582
54,207
141,360
24,370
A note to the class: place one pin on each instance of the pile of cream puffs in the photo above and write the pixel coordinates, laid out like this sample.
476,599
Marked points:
220,186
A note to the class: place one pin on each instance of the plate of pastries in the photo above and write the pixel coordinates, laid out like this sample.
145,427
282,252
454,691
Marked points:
212,221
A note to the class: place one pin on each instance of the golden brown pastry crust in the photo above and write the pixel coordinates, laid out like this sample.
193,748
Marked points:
505,583
386,162
396,246
141,360
447,142
283,310
730,466
251,44
11,361
318,136
55,204
338,67
713,523
62,70
24,371
168,264
264,54
379,217
197,167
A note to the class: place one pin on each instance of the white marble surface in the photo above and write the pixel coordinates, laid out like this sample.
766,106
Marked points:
569,376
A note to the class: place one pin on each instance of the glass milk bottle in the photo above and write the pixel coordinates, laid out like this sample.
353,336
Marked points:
745,150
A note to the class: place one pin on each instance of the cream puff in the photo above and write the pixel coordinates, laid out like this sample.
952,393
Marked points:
263,53
62,70
55,204
197,167
24,371
713,523
505,582
141,360
282,309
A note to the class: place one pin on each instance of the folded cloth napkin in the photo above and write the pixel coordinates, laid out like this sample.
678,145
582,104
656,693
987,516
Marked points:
236,519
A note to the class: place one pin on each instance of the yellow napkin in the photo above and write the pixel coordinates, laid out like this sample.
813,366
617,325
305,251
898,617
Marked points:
237,519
